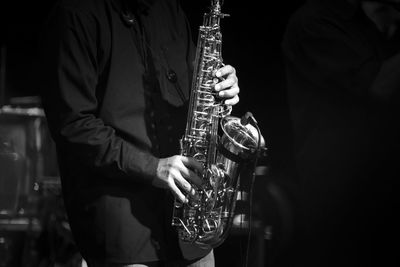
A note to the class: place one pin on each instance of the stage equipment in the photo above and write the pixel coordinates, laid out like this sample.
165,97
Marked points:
27,155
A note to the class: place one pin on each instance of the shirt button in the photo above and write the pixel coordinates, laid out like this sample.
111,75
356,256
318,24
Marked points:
171,76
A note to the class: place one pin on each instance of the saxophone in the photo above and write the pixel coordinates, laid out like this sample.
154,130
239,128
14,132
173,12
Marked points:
207,217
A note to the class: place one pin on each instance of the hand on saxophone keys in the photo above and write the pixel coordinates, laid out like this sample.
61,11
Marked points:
228,87
178,173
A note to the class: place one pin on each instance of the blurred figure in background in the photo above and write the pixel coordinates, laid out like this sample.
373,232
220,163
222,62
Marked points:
343,79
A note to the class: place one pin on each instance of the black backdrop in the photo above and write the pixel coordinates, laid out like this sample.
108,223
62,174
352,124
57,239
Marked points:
251,43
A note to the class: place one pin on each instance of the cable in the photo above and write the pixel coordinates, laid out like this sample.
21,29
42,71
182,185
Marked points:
245,120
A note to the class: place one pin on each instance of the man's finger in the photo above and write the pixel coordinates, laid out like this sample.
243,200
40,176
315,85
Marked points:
191,176
232,101
225,70
229,93
227,83
183,183
178,194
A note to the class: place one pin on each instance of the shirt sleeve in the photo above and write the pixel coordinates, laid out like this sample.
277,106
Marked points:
70,76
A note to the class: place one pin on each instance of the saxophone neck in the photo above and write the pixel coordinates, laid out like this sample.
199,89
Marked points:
213,17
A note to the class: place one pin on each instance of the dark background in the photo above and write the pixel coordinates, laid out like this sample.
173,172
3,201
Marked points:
251,43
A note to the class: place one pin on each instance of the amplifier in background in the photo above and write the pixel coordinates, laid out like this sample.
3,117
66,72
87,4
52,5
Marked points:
12,166
27,154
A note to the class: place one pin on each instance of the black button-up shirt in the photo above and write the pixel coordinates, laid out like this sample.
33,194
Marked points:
113,110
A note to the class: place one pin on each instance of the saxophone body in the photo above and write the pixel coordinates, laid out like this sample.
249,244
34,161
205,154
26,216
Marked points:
207,217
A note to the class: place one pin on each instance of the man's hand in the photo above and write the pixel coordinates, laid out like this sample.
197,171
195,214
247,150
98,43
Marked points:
178,173
228,88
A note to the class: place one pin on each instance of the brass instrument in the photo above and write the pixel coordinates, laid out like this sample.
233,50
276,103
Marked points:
206,219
